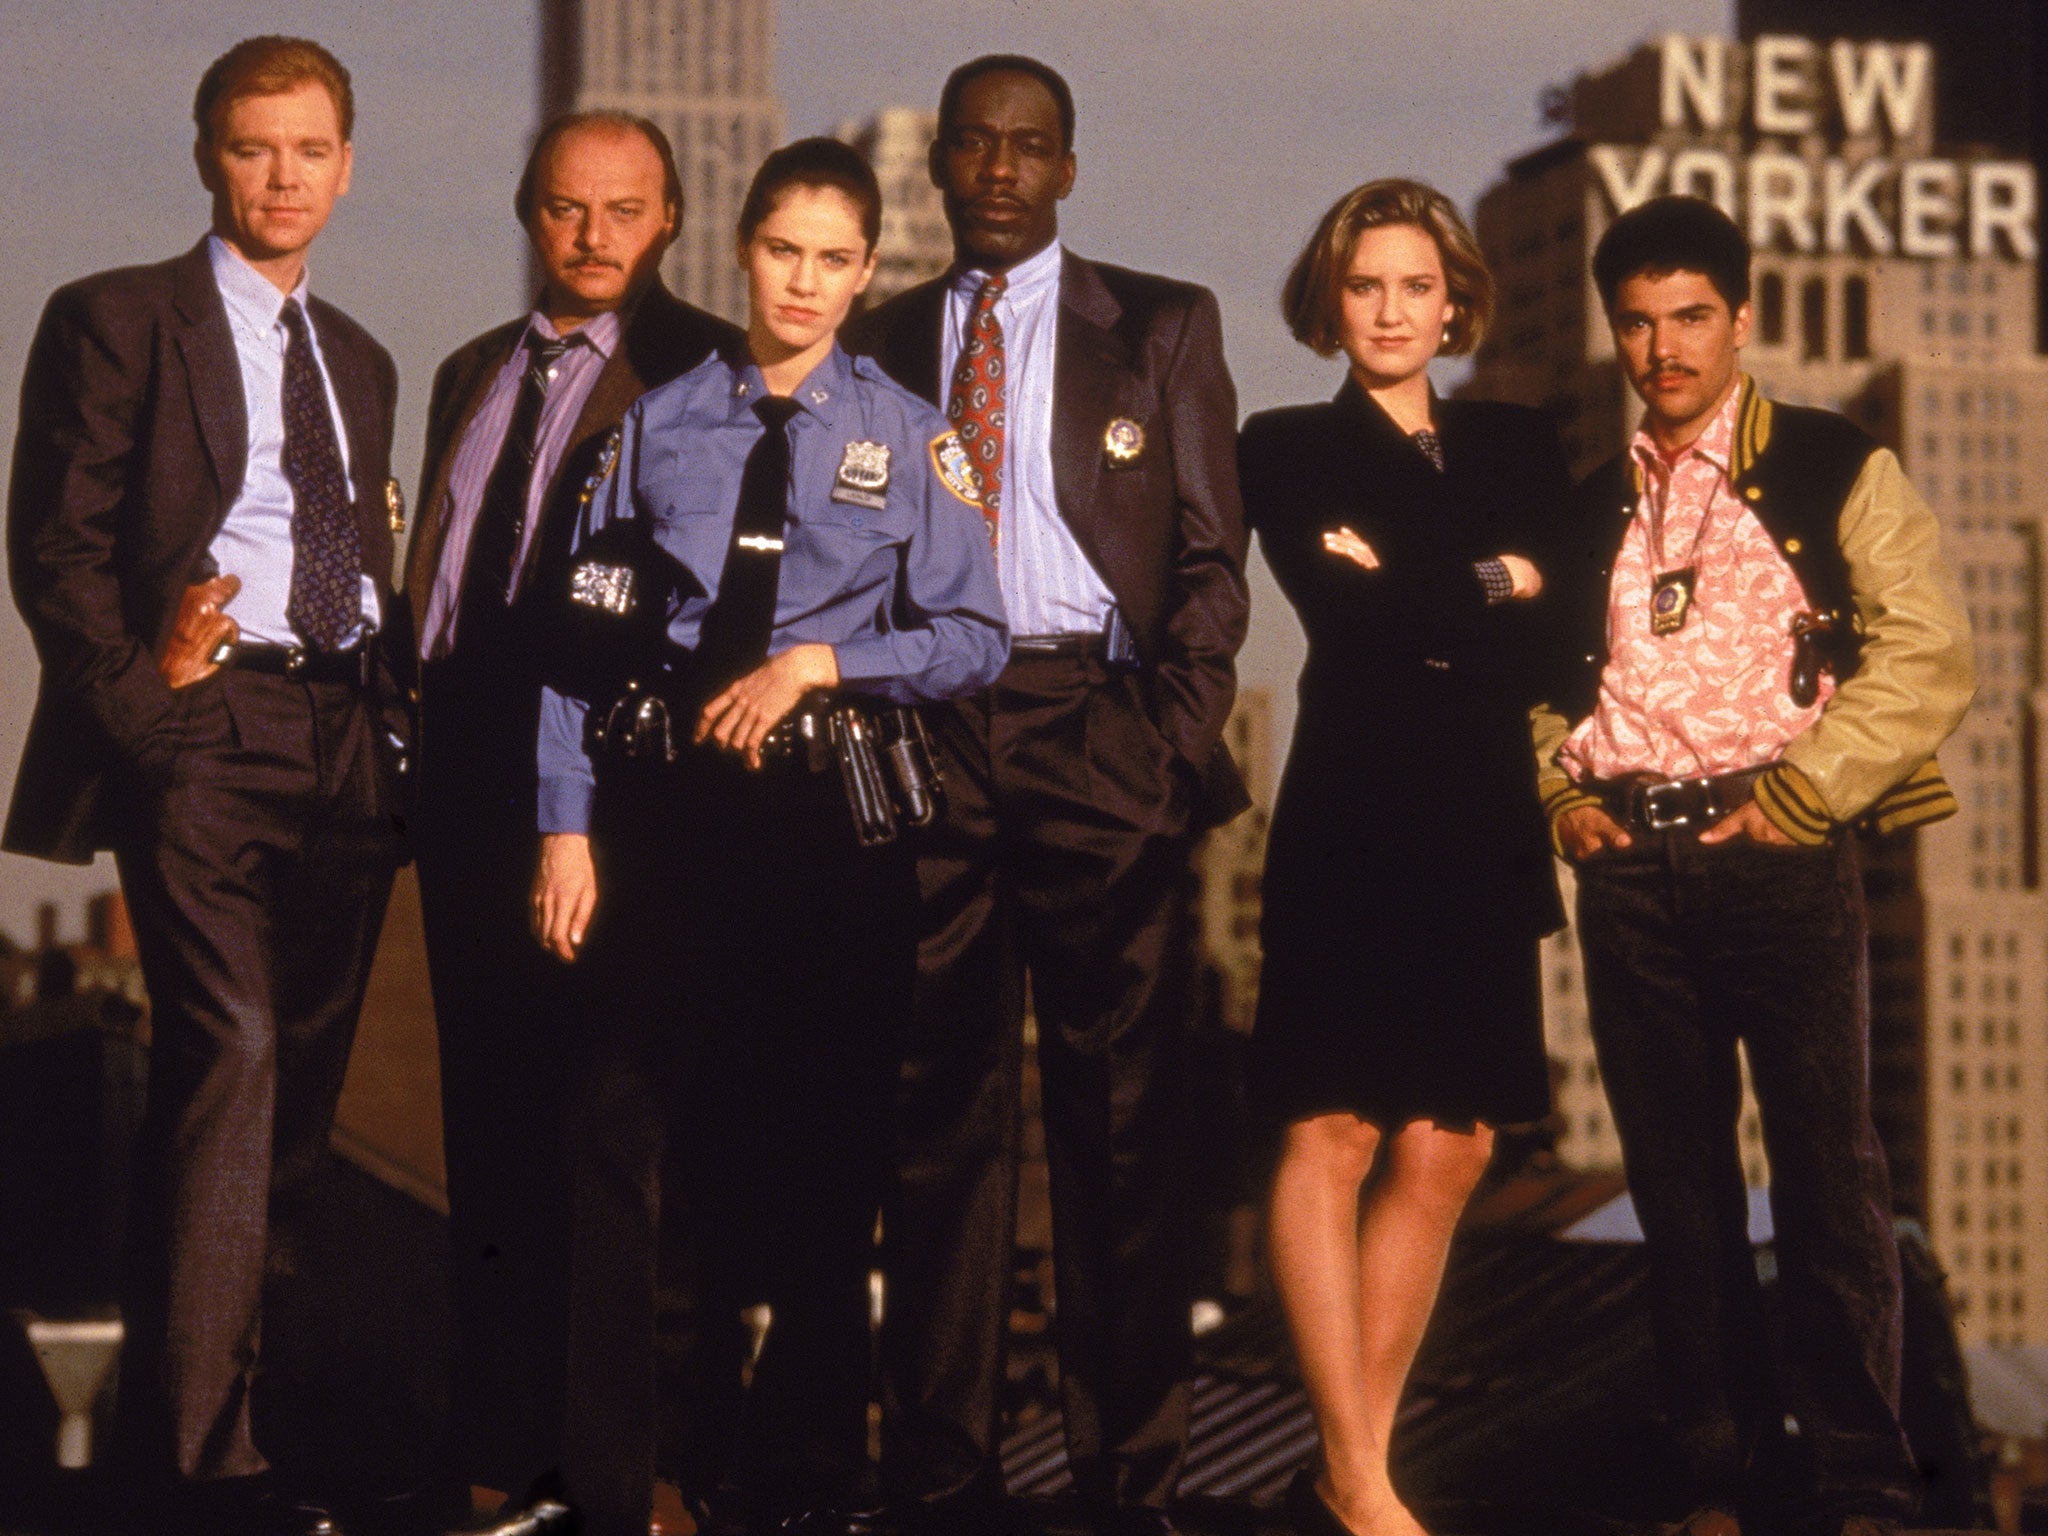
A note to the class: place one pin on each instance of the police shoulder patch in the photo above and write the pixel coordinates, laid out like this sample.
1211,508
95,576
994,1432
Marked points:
955,469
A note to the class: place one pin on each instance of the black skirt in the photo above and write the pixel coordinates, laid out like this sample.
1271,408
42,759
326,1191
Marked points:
1421,1010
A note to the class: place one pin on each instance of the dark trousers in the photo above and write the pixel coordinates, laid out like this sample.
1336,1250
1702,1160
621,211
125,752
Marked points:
753,968
1062,855
1688,949
256,869
509,1026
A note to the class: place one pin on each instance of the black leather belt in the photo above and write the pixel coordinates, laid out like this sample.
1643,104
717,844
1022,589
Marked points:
1644,804
356,665
1058,645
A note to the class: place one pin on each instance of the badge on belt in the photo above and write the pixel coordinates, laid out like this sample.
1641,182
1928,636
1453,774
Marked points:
863,479
394,504
1671,601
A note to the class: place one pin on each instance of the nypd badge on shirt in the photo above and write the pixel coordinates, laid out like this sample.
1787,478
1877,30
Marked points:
863,479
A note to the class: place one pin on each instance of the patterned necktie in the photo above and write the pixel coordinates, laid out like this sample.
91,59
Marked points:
733,639
501,517
975,406
325,603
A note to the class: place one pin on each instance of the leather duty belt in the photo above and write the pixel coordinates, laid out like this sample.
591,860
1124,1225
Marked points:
882,755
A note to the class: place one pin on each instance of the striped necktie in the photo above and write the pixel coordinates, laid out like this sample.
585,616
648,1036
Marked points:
500,526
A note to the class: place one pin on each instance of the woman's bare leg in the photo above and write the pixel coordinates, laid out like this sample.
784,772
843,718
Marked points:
1357,1266
1312,1241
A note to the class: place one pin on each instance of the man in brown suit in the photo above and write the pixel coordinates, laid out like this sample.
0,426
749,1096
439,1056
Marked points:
196,435
514,427
1101,419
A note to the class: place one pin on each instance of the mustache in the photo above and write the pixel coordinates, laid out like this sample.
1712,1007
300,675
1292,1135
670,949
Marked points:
595,261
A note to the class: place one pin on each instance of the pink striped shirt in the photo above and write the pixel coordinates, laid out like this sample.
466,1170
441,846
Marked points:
590,348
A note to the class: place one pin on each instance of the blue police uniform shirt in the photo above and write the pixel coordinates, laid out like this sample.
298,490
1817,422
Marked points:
905,594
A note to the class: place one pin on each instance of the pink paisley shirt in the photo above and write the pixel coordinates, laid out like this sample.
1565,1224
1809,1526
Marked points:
1710,698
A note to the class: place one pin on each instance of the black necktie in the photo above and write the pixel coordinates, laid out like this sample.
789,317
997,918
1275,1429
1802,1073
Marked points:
501,517
734,637
325,602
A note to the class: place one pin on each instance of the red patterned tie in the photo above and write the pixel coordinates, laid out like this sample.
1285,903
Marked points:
975,406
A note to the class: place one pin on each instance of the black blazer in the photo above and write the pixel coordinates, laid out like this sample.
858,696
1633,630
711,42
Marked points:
662,339
1411,763
1166,530
131,450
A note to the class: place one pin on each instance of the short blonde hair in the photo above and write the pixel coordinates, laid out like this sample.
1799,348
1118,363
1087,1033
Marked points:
1310,299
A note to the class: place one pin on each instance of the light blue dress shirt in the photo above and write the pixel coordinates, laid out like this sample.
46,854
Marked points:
1050,585
255,541
905,593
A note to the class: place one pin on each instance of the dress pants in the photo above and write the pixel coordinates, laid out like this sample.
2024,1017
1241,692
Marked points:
1689,948
256,866
752,969
1064,855
509,1024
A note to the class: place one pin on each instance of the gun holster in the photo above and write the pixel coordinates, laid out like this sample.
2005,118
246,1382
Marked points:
1821,642
636,727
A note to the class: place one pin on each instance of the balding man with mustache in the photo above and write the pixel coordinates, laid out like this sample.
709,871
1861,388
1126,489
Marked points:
517,420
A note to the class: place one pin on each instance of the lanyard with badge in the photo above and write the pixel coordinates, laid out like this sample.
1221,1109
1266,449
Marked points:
1671,590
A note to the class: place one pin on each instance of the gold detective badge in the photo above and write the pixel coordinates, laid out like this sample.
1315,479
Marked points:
394,504
1122,441
1671,601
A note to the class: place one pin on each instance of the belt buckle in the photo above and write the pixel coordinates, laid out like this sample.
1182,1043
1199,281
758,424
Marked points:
1658,820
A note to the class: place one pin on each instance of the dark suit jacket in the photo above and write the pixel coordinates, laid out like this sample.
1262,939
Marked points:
477,728
662,338
1166,532
1411,766
131,450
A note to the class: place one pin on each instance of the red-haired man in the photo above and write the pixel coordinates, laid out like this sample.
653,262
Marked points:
200,536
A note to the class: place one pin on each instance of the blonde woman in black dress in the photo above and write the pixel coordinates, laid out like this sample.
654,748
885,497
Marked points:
1409,875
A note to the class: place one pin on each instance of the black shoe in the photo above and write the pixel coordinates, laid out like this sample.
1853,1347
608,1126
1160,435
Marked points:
532,1517
240,1506
837,1522
975,1510
1306,1511
297,1517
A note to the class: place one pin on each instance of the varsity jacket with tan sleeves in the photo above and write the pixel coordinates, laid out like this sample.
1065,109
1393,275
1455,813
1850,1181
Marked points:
1862,542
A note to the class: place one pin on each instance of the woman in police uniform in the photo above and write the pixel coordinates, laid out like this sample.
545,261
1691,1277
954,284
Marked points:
1408,873
815,536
